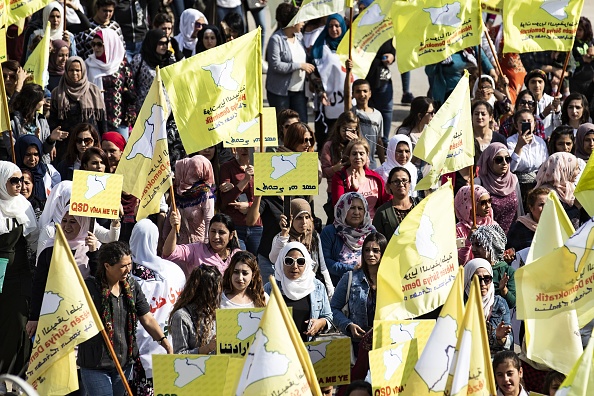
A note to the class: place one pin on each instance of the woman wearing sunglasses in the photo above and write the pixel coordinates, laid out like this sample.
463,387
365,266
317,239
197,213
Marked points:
526,100
82,137
496,311
191,22
301,290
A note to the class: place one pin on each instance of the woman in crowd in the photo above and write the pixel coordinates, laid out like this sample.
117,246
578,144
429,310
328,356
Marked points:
194,196
342,241
482,122
161,282
165,22
562,140
463,207
559,173
356,291
485,90
287,66
121,304
209,37
191,23
584,141
18,229
242,283
495,309
300,228
547,107
59,53
488,242
192,324
36,203
82,137
357,177
54,14
217,252
521,233
109,70
399,154
301,290
575,111
422,110
553,381
389,216
507,368
28,150
94,160
582,52
113,144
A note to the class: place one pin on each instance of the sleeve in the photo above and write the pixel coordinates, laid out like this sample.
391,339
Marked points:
486,63
273,56
228,196
79,27
93,261
180,328
510,298
55,175
153,9
181,253
335,267
378,223
104,235
338,187
326,159
39,281
278,243
326,312
338,302
142,306
208,212
324,270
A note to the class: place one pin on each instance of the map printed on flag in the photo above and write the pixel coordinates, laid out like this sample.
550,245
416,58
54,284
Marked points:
387,332
331,360
236,329
96,194
391,366
285,173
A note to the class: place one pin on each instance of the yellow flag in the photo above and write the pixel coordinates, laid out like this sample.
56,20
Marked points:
372,28
68,317
20,9
391,366
530,25
39,60
428,31
430,375
492,6
580,381
447,143
584,191
145,161
3,50
214,92
3,16
277,361
312,9
420,260
4,114
473,373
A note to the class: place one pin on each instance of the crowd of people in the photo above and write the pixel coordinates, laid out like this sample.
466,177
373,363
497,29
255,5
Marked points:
532,134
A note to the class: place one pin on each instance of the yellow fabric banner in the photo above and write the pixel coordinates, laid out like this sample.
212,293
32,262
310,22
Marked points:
213,92
584,191
391,366
420,260
4,113
68,317
387,332
312,9
3,50
447,143
39,60
580,381
492,6
145,161
530,25
428,31
20,9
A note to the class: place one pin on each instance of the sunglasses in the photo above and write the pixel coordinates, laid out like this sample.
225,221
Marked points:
308,140
96,44
163,42
290,261
199,25
527,102
397,182
16,180
484,202
431,113
86,141
487,279
501,160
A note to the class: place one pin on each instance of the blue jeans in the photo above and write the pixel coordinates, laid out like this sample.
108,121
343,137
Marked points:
294,100
222,12
260,19
266,268
132,49
105,382
250,236
405,78
382,99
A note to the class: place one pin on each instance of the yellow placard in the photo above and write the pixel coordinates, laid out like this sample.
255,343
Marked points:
331,360
492,6
391,366
3,50
236,329
248,133
286,173
96,194
388,332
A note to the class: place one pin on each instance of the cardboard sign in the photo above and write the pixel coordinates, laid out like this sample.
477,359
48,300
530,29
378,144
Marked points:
331,359
236,329
96,194
286,173
248,133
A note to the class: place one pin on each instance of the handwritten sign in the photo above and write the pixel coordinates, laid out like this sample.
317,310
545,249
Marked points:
96,194
236,329
331,360
391,366
286,173
388,332
248,133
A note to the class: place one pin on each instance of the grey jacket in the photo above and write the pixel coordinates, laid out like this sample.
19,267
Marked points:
280,63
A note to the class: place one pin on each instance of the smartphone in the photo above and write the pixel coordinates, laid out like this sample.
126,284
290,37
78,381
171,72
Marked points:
287,207
525,127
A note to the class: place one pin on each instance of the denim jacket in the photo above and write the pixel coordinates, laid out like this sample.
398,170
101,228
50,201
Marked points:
500,312
357,301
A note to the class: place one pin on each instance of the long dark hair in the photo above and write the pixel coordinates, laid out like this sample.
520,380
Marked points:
337,145
381,240
227,222
71,151
585,108
418,108
563,130
26,101
255,289
94,151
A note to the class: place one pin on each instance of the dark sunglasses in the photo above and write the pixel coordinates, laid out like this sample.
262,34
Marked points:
487,279
86,141
96,44
397,182
16,180
484,202
530,103
308,140
290,261
199,25
501,160
163,42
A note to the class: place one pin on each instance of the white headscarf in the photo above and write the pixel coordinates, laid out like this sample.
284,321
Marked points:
114,55
186,28
14,207
391,163
55,34
143,244
299,288
492,99
469,270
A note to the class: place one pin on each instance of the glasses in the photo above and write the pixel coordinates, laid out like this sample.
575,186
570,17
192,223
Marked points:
163,42
501,160
16,180
199,25
308,140
431,113
290,261
345,129
96,44
530,103
85,141
485,202
487,279
397,182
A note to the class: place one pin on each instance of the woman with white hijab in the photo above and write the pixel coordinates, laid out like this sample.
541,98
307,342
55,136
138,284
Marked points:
161,282
399,153
191,22
54,14
495,308
301,290
18,228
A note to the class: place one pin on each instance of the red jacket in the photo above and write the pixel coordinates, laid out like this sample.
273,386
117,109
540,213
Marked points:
341,185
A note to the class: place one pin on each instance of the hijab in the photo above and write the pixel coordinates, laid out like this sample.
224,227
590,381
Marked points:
186,28
53,68
143,244
208,28
463,206
87,94
298,288
148,50
55,34
558,173
190,170
52,213
391,163
582,132
17,207
352,237
492,238
115,138
300,206
475,88
324,37
496,185
469,270
113,56
39,171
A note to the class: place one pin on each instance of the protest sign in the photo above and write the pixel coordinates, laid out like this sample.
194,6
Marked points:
286,173
248,133
96,194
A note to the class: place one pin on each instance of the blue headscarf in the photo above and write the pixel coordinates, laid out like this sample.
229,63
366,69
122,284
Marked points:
324,38
20,149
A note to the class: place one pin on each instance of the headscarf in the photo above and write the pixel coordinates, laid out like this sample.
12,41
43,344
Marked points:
557,173
391,163
115,138
324,38
148,50
298,288
469,270
463,206
143,244
496,185
476,87
39,171
53,68
113,56
208,28
190,170
87,94
300,206
186,28
582,132
352,237
53,212
16,207
55,34
492,238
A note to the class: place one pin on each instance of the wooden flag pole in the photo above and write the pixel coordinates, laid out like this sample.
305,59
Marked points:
6,112
499,70
472,198
116,362
347,79
173,205
563,73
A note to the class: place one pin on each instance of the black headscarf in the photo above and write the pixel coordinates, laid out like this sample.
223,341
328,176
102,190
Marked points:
149,49
201,33
20,149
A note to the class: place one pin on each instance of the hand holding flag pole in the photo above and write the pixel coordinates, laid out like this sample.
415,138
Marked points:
349,63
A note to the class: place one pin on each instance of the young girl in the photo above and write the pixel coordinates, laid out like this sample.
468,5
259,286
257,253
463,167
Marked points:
242,283
507,368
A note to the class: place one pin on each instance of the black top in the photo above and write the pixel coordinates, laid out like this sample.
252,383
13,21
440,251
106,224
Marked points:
496,138
271,208
13,246
519,237
301,313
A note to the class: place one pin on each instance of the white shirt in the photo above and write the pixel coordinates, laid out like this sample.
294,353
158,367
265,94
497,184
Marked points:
532,155
297,82
551,121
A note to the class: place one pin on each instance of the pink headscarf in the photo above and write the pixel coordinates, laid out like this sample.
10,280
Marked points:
189,170
558,172
496,185
463,207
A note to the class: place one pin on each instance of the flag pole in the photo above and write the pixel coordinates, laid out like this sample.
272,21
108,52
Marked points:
563,73
347,79
5,105
472,198
499,70
173,205
115,361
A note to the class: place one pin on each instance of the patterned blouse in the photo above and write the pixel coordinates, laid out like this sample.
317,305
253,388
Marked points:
120,109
